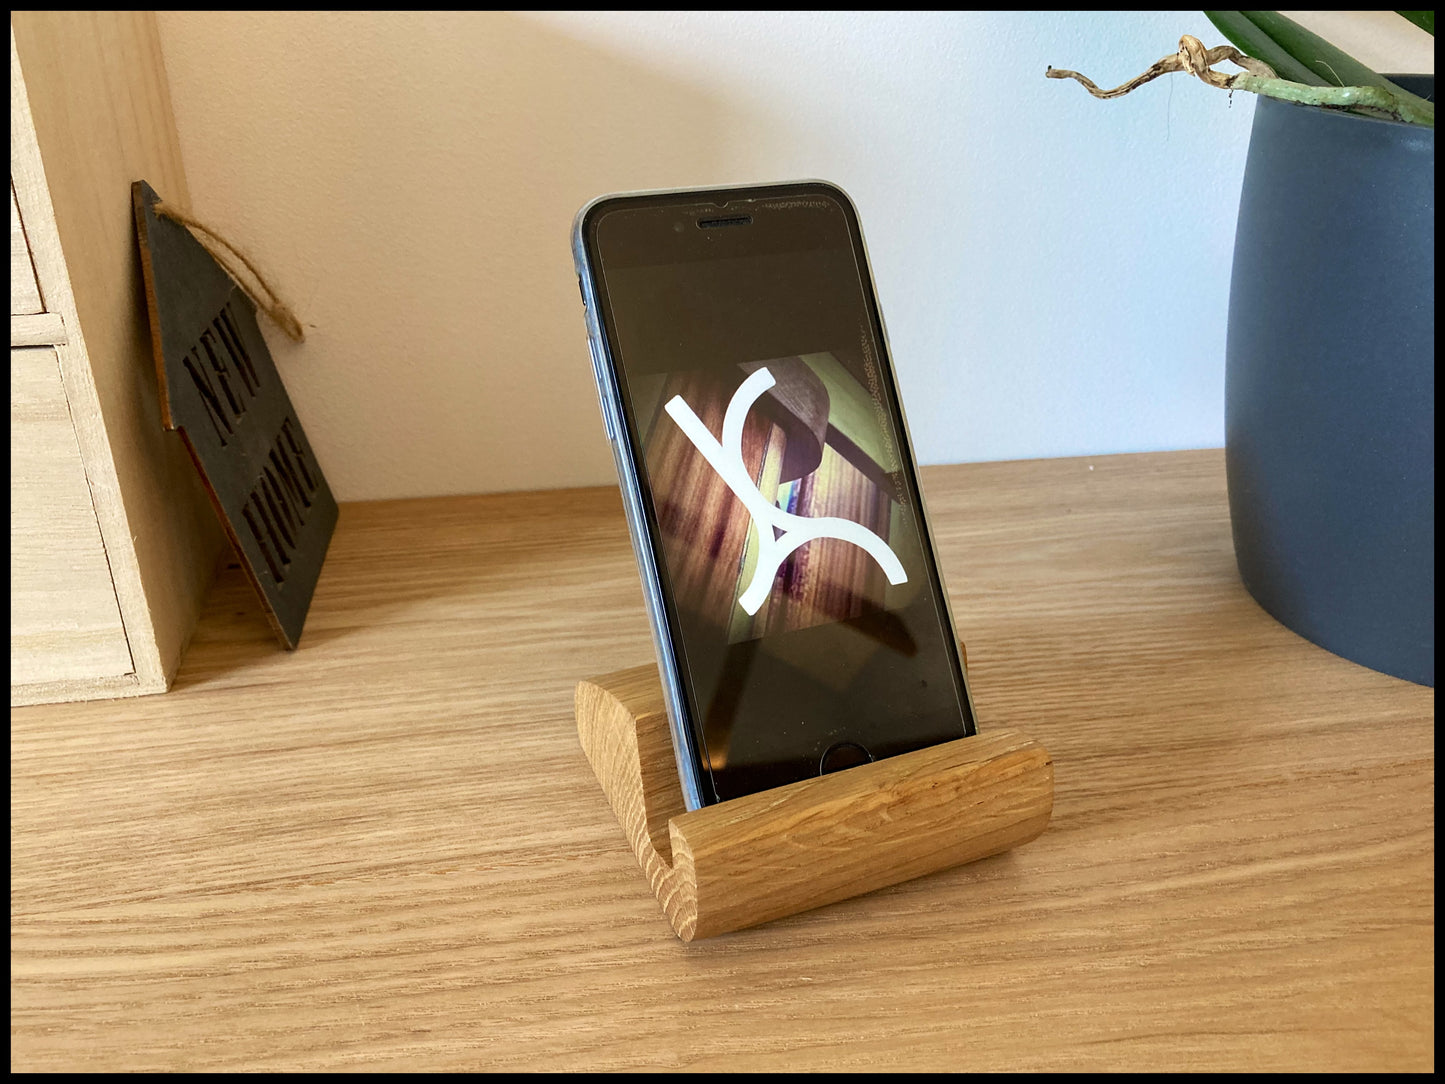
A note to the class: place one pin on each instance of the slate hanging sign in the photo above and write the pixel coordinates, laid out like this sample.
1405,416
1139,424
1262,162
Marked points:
220,388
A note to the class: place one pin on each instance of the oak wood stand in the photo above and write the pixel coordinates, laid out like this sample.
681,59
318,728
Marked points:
779,852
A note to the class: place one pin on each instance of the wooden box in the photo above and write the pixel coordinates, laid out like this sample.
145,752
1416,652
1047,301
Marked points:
112,542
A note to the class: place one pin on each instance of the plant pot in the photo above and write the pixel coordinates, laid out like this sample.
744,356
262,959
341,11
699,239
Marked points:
1330,382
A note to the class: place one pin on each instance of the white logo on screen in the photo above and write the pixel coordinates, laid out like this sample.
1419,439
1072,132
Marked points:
773,547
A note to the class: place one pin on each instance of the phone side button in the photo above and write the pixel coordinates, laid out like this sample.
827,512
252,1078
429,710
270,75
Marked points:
606,416
597,380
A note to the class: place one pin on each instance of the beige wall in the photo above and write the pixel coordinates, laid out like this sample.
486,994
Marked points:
409,180
1379,39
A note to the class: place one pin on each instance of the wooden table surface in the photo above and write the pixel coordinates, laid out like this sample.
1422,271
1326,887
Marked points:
386,850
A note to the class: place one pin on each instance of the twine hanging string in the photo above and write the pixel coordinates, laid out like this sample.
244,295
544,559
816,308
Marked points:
226,254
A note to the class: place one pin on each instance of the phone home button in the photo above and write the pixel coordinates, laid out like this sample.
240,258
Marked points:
843,754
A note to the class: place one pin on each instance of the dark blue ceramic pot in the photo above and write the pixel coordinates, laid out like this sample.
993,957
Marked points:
1330,382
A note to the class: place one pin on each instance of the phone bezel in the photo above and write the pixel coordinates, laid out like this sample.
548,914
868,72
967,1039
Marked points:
696,784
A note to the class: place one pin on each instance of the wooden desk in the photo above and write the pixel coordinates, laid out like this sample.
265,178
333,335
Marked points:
386,851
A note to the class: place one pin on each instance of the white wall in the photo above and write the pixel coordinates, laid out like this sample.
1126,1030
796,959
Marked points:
1054,269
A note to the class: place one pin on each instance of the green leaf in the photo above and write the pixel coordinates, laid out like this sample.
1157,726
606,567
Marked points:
1333,66
1298,54
1425,20
1246,36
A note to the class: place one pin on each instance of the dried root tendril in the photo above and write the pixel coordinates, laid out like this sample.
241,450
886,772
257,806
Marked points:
1259,78
1192,57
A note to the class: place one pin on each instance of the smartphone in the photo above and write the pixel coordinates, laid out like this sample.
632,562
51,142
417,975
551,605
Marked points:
800,621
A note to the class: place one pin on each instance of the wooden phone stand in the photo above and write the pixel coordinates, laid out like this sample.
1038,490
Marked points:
778,852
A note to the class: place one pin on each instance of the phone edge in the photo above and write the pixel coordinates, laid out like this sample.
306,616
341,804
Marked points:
678,719
907,434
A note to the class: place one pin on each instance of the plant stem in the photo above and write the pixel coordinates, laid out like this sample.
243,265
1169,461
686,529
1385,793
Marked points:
1374,100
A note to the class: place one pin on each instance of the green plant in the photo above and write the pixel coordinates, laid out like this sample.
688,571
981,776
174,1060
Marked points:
1281,59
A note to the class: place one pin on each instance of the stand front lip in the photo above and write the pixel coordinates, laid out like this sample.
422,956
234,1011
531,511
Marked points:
780,852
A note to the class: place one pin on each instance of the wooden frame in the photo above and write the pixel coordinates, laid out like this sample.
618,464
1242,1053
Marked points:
89,113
